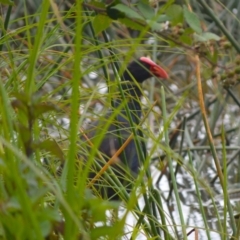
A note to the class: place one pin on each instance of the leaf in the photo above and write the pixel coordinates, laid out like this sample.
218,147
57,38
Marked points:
215,55
7,2
18,105
114,13
108,232
171,44
98,5
50,145
211,36
45,227
146,10
129,23
186,39
101,23
155,26
199,38
165,6
175,14
192,19
128,11
99,209
162,18
42,108
206,36
21,97
24,133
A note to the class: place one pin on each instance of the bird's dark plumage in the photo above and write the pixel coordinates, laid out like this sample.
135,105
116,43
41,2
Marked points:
138,71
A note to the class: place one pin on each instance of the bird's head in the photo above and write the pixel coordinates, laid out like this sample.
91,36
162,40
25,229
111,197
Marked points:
143,69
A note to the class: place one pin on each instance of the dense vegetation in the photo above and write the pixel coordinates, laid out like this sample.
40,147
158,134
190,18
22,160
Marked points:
58,63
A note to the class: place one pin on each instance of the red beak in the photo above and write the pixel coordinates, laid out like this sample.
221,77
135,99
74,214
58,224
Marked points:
154,68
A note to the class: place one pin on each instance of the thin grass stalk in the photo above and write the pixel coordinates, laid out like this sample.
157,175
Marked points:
34,52
12,78
175,110
218,148
145,212
155,214
235,99
170,164
215,113
196,130
225,185
152,83
196,155
210,139
147,209
11,61
149,215
56,66
5,26
182,129
194,174
96,42
238,226
141,221
223,14
209,190
71,230
163,224
151,93
12,164
28,23
215,207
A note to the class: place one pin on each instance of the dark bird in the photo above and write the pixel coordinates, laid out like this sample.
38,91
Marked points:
126,165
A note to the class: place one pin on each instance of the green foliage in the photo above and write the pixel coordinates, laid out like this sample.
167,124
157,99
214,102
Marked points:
146,11
192,19
128,11
7,2
49,53
114,13
175,14
101,23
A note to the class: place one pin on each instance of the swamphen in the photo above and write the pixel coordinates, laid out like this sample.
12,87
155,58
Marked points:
128,162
